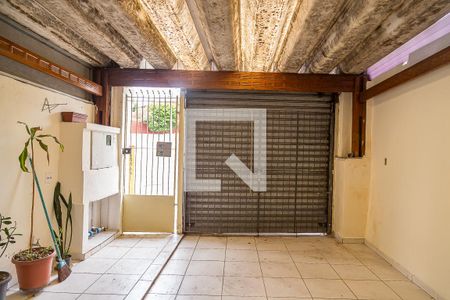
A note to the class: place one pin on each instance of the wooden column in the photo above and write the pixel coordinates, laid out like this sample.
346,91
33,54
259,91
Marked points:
359,117
103,102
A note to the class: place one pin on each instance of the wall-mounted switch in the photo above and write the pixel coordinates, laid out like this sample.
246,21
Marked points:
385,161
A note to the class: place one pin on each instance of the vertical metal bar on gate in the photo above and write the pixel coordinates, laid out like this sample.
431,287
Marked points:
170,140
157,159
153,144
146,141
142,144
126,133
175,163
164,140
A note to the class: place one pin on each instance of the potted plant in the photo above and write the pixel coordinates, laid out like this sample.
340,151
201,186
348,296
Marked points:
7,237
33,265
64,233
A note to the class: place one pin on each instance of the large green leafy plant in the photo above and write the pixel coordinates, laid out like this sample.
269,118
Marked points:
162,117
63,215
34,137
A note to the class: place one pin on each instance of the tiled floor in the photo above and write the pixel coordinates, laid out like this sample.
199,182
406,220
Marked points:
124,269
251,268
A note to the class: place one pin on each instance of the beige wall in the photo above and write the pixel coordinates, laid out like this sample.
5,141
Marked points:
148,213
351,180
22,101
409,208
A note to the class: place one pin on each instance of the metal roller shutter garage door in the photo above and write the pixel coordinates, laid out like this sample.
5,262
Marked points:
299,131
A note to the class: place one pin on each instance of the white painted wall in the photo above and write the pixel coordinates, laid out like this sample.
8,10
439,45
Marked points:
22,101
409,207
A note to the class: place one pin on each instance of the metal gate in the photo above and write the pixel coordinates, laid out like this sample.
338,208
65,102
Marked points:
150,141
299,163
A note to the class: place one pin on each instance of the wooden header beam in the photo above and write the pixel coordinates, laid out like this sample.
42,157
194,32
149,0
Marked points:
429,64
32,60
229,80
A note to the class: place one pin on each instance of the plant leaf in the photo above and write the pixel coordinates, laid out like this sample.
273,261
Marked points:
23,158
26,127
61,146
57,204
33,131
45,148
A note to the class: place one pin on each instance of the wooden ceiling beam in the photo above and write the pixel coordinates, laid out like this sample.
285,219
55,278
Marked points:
360,19
130,19
310,22
173,20
219,20
264,26
423,67
91,25
227,80
38,19
410,19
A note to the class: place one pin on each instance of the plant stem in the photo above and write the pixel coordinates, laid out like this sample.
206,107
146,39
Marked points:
32,198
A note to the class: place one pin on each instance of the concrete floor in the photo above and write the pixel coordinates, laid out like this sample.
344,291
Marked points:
278,268
231,268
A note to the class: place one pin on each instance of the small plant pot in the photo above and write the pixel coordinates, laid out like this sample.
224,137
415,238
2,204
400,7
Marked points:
5,277
67,259
34,275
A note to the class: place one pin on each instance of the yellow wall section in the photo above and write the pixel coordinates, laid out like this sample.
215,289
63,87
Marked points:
148,213
409,209
22,101
350,179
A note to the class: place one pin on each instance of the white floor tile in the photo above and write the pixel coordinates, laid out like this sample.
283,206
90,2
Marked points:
129,267
75,283
167,285
317,271
285,287
142,253
274,256
151,273
139,290
354,272
94,265
201,285
243,286
408,290
372,290
241,255
209,254
243,269
101,297
210,242
386,271
175,267
111,252
326,288
206,268
54,296
113,284
272,269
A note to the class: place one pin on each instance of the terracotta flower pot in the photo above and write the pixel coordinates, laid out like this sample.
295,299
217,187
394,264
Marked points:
35,274
5,277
